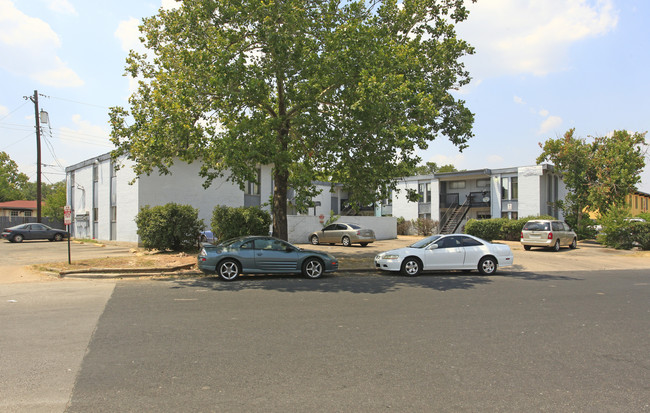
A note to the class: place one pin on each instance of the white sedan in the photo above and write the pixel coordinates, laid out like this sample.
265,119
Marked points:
446,252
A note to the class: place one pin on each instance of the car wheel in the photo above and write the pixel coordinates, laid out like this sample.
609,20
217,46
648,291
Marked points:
574,244
312,268
527,247
364,244
487,266
346,242
18,238
411,267
58,237
228,270
314,239
556,247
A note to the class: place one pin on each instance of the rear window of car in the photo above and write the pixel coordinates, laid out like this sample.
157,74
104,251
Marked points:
354,226
536,226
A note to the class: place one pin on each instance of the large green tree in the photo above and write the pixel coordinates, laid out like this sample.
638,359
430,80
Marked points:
598,174
55,200
12,181
344,92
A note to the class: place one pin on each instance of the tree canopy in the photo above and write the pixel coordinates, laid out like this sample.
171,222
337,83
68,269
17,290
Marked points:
344,92
431,168
12,181
598,174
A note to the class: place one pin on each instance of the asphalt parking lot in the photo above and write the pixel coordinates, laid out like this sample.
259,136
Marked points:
588,256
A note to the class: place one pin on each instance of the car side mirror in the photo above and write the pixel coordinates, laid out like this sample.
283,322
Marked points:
433,247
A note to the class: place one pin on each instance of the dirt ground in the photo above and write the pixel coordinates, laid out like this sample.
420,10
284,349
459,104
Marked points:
588,256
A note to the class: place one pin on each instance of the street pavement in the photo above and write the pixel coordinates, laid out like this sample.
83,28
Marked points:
564,331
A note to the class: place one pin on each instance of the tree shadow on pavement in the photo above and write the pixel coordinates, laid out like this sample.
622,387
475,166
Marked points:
358,284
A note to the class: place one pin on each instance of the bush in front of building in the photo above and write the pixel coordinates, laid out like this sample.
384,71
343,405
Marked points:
488,229
425,226
622,233
404,226
499,228
229,222
169,227
628,236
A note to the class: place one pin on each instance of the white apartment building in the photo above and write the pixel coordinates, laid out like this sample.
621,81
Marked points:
105,200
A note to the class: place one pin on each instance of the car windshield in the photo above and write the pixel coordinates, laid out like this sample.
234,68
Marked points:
230,242
424,242
536,226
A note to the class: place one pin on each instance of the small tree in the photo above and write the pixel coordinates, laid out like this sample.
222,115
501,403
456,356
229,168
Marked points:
55,201
425,226
169,227
12,181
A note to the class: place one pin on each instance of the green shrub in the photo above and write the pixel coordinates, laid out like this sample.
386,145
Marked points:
169,227
499,228
228,222
627,236
488,229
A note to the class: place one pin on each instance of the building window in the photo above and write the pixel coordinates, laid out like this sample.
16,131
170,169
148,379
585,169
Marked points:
253,188
483,183
457,185
28,213
14,213
424,190
509,188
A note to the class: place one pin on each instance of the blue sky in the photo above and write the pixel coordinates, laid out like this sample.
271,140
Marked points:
540,68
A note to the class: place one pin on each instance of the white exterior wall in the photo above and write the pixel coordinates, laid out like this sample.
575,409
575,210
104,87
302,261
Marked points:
82,219
127,204
185,186
532,193
402,207
266,189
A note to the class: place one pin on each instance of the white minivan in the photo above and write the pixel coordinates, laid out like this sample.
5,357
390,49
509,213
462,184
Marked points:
548,234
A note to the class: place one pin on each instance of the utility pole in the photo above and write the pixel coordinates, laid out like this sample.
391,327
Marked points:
38,155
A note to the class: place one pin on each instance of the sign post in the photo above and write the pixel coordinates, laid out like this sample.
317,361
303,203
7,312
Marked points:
67,220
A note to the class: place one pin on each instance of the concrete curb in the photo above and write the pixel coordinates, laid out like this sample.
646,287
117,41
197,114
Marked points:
115,273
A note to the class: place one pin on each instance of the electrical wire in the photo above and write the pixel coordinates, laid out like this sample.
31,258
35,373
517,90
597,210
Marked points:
7,115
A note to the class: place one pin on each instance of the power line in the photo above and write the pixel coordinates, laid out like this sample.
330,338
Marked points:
7,115
80,103
19,140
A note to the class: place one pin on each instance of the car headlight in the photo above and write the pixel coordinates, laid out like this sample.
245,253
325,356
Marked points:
389,256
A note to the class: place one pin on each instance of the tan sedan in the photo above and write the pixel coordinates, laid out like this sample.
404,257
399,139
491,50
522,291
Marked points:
346,234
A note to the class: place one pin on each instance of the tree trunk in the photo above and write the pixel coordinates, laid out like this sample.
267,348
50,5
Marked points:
280,227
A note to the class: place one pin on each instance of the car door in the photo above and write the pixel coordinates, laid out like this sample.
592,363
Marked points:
36,231
274,255
447,253
474,251
327,234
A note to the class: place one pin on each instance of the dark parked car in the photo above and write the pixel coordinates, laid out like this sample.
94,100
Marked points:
22,232
262,255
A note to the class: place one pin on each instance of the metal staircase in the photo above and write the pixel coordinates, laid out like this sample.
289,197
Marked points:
456,216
